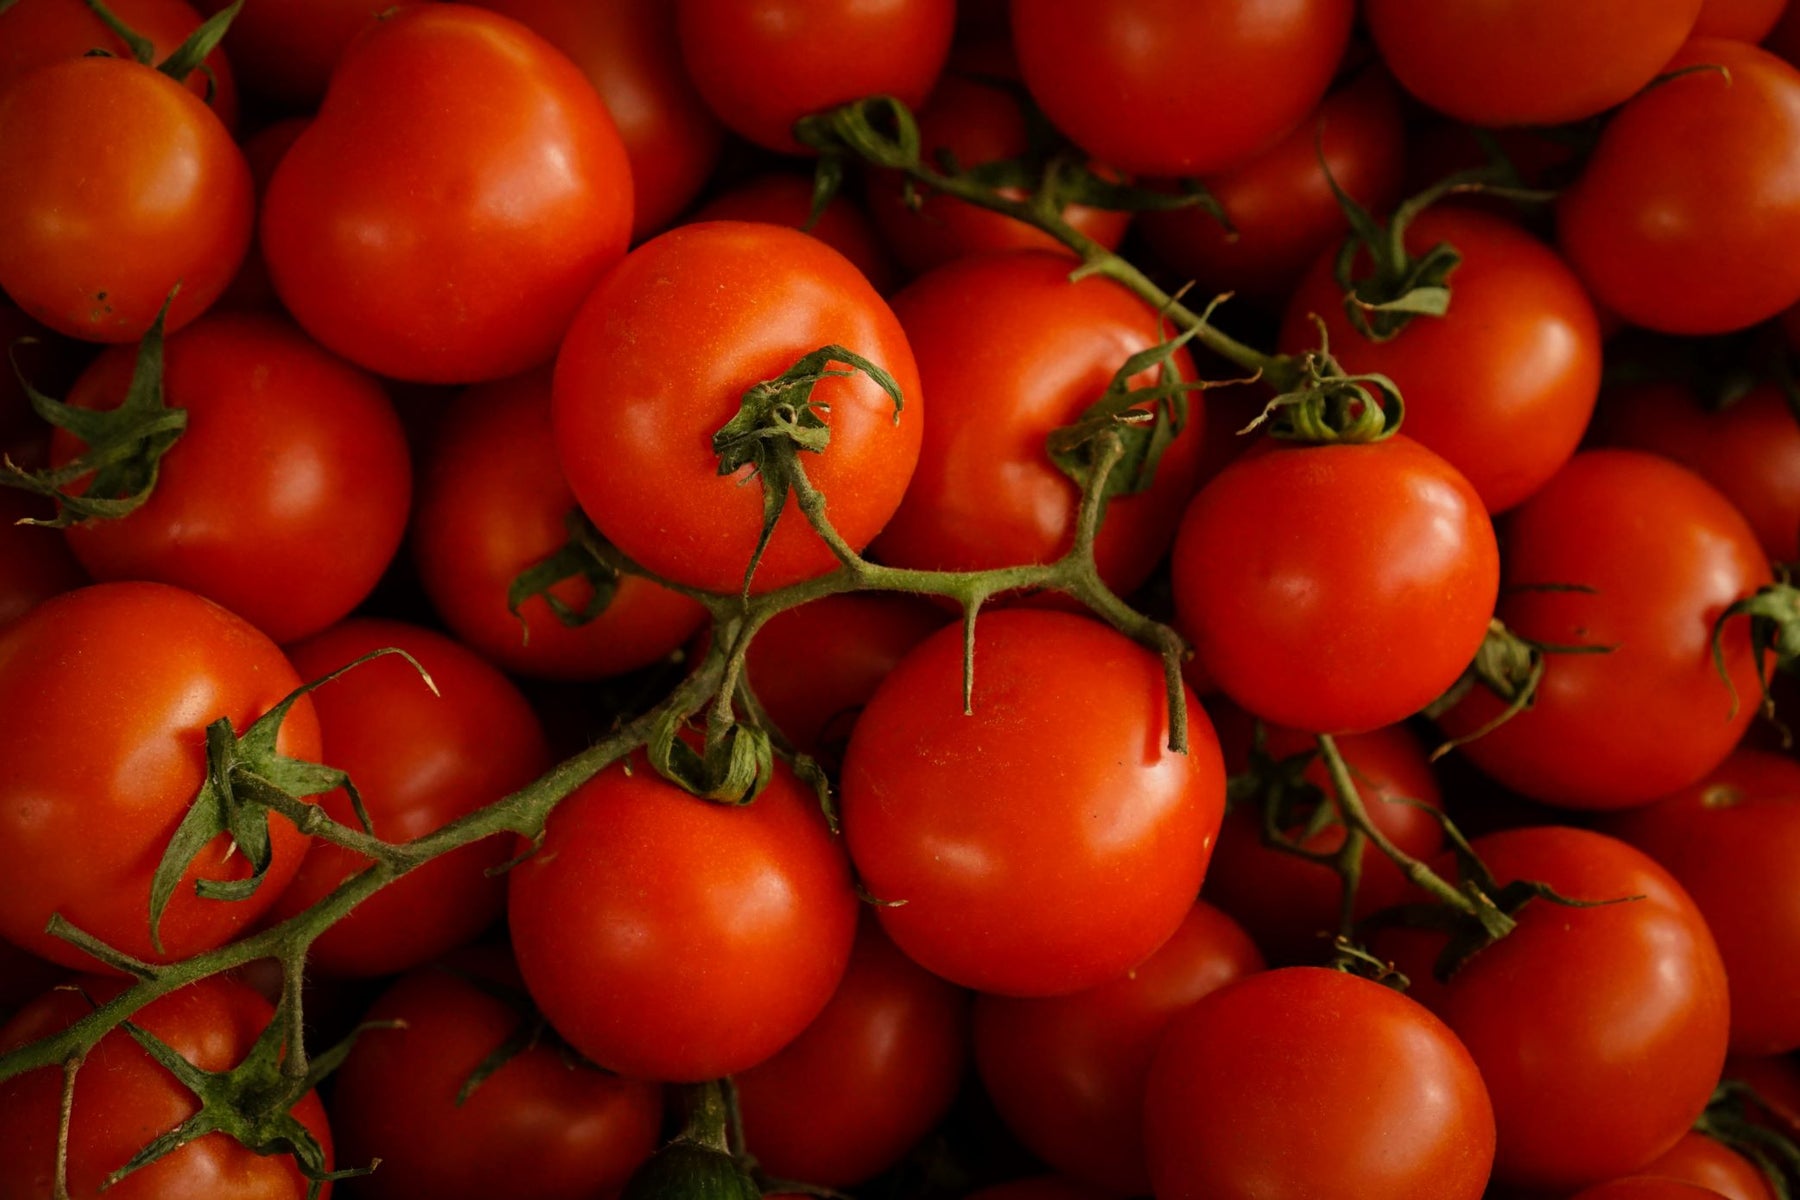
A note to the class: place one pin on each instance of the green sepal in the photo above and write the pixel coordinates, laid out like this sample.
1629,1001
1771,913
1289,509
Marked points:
687,1170
879,130
1511,667
143,51
190,56
1774,612
1326,405
577,558
733,769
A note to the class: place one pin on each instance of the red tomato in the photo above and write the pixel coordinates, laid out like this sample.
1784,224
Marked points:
888,1052
668,937
1090,836
1395,1112
1503,384
1686,218
1179,87
781,198
538,1128
659,359
1662,554
1301,571
763,65
108,691
1608,1020
1742,20
288,49
457,196
492,503
1008,350
124,1099
1528,62
286,496
263,151
1068,1072
1647,1187
116,184
1708,1163
419,761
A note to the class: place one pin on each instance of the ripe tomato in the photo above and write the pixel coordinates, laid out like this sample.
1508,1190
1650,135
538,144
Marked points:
455,199
1741,20
1047,841
1300,573
1258,1089
1707,1162
263,150
288,49
108,691
1647,1187
671,938
783,198
659,359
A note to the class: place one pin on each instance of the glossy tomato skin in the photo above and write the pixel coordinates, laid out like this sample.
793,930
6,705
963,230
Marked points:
1300,573
118,184
1706,1162
285,497
1395,1112
420,760
889,1050
1049,840
784,198
1216,83
671,938
1658,554
658,360
492,502
108,691
1504,383
1068,1072
1686,218
1528,62
1009,350
538,1128
454,201
765,64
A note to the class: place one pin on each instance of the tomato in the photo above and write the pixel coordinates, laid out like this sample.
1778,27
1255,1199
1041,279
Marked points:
117,184
782,198
538,1128
1742,20
1705,1162
888,1050
124,1099
1068,1072
263,151
1047,841
1656,555
1282,210
458,195
108,691
1503,384
1179,87
1686,218
288,49
762,66
1647,1187
1731,840
1609,1019
1009,350
1261,1089
285,497
1528,62
672,938
493,503
659,360
35,563
420,760
1300,572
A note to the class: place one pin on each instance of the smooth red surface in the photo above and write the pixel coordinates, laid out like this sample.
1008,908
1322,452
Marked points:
783,198
1705,1162
1743,20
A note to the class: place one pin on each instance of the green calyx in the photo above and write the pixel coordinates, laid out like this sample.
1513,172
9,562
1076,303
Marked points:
188,57
1326,405
582,557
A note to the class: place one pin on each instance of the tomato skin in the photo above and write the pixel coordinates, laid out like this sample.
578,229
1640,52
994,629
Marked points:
493,502
420,761
1068,1072
118,183
1090,837
124,1099
1395,1112
667,937
781,198
1254,67
659,359
286,50
538,1128
286,496
1705,1162
457,196
1503,385
1647,1187
1664,554
1528,62
1740,20
1307,615
761,66
889,1049
1686,218
1009,350
108,691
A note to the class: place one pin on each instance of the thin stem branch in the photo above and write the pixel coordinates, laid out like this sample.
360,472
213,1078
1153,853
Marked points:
1356,818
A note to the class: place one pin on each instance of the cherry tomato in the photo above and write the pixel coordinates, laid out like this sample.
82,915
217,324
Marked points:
288,49
782,198
263,150
1741,20
1647,1187
1707,1162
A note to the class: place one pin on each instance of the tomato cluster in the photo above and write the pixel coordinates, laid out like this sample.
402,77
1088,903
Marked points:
490,492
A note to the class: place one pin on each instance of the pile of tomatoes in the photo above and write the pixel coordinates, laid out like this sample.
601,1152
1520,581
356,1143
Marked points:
578,574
